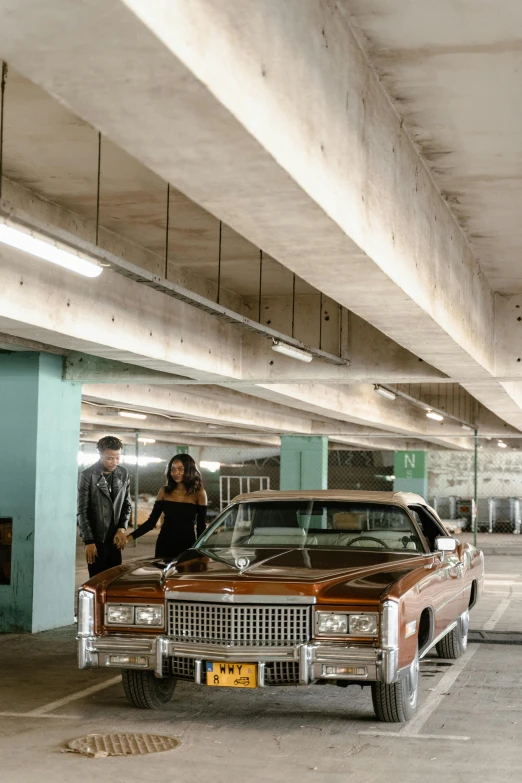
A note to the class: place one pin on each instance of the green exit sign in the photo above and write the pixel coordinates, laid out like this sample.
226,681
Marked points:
410,464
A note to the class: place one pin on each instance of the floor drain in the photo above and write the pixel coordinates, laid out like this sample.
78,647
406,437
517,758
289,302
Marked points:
100,745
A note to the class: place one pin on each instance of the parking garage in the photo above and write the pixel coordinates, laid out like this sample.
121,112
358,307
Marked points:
281,239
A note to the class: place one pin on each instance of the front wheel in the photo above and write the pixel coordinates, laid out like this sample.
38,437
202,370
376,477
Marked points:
455,643
146,691
397,702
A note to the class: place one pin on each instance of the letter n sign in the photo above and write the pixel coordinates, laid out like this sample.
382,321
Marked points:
410,464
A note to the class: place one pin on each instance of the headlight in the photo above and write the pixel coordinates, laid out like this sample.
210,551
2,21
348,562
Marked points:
121,615
332,623
149,615
363,625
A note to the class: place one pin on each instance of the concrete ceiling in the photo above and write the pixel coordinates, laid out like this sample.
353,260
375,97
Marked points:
454,71
54,153
333,197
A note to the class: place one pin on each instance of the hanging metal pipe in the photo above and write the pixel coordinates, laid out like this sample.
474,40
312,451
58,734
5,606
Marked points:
260,283
2,96
98,189
293,306
219,263
167,233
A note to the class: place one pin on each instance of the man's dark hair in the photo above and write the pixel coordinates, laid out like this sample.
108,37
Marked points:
109,442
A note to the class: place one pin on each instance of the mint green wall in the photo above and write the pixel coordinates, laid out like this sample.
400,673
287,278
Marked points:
304,462
39,435
411,472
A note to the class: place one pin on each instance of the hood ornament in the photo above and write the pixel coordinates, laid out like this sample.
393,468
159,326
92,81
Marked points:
242,563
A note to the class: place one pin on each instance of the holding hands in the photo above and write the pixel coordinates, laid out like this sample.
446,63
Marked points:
120,539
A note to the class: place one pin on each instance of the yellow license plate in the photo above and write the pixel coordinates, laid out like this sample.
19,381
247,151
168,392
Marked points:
232,675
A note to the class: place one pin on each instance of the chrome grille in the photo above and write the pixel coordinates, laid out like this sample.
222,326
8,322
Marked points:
282,673
183,667
244,626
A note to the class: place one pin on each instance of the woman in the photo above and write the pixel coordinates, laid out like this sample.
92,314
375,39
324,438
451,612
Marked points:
183,502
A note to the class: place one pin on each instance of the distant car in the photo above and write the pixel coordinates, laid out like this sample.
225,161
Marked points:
290,588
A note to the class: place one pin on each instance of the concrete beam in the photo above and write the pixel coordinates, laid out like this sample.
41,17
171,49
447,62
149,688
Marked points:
217,407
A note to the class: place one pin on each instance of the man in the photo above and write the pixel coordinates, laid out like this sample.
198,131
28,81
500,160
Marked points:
104,507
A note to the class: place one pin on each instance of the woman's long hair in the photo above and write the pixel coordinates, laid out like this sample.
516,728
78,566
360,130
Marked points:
191,478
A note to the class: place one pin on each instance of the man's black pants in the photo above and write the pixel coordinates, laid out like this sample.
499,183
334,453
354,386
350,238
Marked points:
108,556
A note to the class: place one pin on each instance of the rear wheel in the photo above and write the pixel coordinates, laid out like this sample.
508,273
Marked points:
396,703
146,691
455,643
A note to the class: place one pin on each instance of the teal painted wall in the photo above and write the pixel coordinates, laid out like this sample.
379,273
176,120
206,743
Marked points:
304,462
39,435
411,472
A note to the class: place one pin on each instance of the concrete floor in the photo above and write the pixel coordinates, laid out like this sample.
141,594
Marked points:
468,726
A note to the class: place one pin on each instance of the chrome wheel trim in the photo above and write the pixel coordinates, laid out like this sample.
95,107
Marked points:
413,681
464,626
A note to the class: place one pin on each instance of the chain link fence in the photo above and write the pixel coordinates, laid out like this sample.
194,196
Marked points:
457,485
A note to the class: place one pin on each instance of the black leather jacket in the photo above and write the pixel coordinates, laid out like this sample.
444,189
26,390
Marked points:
97,511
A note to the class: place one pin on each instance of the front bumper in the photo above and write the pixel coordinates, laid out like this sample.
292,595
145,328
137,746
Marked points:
315,661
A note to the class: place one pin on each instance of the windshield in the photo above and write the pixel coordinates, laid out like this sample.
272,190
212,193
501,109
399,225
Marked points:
302,523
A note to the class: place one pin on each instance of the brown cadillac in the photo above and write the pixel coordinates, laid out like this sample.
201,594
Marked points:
290,588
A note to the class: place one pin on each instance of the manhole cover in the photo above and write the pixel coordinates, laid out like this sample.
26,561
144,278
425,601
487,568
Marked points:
100,745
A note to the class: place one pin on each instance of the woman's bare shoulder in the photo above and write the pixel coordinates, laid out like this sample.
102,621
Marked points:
161,494
202,498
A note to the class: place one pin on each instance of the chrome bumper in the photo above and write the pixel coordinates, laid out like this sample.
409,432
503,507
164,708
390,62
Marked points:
317,660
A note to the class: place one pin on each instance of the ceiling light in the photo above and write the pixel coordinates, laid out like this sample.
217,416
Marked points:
47,249
131,415
384,392
146,440
212,466
466,427
291,351
502,445
434,416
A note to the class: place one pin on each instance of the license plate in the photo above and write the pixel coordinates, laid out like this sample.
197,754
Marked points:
232,675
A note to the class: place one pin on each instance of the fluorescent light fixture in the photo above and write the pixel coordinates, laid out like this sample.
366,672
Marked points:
384,392
212,466
89,458
466,427
146,440
47,249
501,444
434,416
131,415
130,459
291,351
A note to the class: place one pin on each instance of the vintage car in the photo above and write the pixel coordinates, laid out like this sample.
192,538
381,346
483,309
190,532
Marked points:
290,588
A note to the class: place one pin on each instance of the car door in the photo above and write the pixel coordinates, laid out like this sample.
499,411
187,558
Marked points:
449,592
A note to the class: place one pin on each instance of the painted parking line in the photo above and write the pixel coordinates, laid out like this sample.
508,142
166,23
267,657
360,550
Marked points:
53,705
412,729
503,606
28,715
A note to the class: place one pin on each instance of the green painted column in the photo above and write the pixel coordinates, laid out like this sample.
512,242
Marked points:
411,472
304,462
39,436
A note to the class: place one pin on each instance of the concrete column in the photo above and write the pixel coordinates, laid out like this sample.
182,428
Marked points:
304,462
411,472
39,433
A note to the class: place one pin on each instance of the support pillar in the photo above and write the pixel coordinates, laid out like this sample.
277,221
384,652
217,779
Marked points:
411,472
39,435
304,462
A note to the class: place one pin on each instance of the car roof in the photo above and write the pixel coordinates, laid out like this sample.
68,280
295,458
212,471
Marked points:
398,498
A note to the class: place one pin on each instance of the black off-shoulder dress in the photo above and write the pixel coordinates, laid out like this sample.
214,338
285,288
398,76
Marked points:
178,530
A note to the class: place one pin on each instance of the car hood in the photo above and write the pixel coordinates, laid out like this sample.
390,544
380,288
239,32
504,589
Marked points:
328,575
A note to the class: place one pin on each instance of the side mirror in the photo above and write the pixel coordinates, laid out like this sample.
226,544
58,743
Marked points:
445,544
